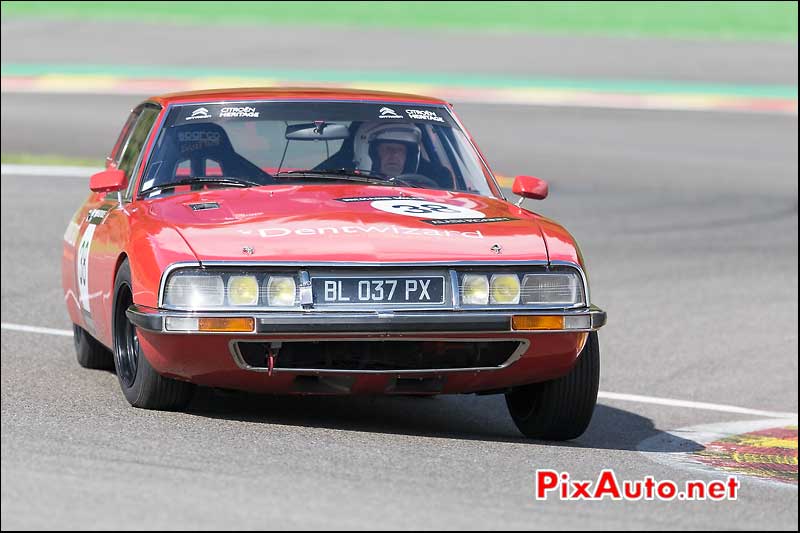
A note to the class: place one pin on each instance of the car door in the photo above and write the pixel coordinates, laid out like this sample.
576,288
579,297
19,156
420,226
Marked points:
105,226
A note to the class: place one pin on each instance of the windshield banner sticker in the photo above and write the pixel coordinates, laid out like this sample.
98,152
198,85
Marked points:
238,112
425,209
420,114
468,221
299,112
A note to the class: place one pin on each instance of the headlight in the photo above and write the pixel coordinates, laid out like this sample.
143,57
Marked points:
556,288
195,291
243,290
505,289
213,289
475,290
281,291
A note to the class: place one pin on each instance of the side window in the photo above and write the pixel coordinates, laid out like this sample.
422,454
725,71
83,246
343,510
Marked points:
119,146
137,139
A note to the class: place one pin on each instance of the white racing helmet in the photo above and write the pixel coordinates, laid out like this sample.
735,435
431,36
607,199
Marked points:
371,134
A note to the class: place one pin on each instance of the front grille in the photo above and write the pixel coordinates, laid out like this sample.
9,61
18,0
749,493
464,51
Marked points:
390,355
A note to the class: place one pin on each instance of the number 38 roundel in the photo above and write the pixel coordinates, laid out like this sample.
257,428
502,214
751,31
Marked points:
425,209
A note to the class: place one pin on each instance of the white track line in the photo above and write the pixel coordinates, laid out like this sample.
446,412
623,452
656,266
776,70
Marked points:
47,170
34,329
693,405
605,395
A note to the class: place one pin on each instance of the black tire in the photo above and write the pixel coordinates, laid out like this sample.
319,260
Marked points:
141,384
90,352
560,409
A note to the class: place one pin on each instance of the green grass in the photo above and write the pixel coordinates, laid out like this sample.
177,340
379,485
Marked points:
50,159
734,20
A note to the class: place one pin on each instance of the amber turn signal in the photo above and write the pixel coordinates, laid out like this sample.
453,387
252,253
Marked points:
537,322
226,324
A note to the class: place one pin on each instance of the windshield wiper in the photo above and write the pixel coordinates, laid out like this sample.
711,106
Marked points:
349,174
215,180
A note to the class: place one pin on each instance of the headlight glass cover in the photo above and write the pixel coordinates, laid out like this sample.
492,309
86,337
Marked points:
474,290
562,287
553,288
196,289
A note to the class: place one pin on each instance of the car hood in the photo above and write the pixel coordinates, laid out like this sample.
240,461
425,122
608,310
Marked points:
350,223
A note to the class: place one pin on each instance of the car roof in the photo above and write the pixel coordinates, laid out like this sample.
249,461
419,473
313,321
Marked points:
292,93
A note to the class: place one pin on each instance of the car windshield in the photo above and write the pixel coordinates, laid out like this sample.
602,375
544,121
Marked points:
265,143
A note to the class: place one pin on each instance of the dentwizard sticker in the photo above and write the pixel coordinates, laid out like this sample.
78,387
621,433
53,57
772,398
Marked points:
425,209
379,229
374,198
450,221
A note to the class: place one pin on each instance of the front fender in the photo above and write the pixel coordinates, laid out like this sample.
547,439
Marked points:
149,253
561,245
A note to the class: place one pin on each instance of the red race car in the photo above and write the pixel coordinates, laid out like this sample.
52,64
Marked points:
311,241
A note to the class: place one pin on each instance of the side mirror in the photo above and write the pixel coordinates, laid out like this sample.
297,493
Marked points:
530,187
109,180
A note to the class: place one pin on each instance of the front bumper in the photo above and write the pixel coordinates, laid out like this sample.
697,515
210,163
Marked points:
216,359
371,322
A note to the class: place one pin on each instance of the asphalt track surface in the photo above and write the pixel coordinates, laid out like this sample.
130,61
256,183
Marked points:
688,222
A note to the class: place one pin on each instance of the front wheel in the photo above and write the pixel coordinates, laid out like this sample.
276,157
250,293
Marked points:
141,384
560,409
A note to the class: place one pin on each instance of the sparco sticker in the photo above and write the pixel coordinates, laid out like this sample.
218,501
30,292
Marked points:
425,209
197,140
423,114
238,112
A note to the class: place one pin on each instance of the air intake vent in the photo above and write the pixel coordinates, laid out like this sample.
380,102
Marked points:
203,206
384,356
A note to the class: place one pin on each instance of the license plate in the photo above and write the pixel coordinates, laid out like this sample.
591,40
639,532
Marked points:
378,290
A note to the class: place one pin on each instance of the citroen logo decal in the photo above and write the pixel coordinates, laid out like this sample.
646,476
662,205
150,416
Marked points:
497,249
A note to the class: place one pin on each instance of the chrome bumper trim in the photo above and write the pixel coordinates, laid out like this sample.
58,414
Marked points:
366,322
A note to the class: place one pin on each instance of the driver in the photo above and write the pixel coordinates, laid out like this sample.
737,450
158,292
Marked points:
390,149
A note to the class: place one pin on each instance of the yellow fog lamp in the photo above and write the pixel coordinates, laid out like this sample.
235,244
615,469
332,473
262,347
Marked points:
505,289
243,290
281,291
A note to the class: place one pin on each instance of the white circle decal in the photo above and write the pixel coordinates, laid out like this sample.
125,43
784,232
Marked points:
425,209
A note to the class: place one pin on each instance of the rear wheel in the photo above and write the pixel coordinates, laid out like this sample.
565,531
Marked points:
560,409
90,352
141,384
